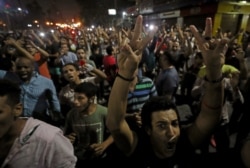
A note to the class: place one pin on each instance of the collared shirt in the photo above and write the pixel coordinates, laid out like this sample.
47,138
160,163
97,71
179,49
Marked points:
40,145
36,94
70,57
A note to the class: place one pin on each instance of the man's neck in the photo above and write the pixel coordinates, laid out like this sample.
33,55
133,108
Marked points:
14,131
76,82
90,109
167,67
7,141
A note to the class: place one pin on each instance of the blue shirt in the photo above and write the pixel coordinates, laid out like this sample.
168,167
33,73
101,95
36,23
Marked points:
34,96
70,57
167,82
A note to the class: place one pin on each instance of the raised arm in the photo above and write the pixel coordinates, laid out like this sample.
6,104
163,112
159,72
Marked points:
44,53
128,61
39,40
99,75
213,52
19,48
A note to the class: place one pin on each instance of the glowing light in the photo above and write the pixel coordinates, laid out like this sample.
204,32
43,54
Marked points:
244,2
42,34
151,27
112,12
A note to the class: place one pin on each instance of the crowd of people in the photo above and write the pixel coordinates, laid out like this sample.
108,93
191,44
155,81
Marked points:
148,98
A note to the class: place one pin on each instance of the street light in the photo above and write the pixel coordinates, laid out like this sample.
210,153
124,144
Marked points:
124,14
112,12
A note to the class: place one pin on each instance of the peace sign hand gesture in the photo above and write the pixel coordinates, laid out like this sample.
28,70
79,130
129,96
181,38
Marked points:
131,49
213,50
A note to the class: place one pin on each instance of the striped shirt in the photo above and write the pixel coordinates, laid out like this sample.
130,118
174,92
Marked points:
144,90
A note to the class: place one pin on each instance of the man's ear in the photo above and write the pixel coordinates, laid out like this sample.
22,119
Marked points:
92,99
78,72
18,109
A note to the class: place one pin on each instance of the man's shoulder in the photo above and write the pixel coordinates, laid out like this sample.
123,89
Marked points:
229,69
145,79
39,130
42,78
71,52
101,106
65,89
9,75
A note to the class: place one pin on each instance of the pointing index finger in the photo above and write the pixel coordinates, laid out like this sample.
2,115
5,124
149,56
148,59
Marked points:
138,28
208,28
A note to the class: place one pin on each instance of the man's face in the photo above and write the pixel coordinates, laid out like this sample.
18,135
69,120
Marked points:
81,101
164,133
175,46
64,48
7,116
81,54
81,41
24,68
11,50
70,73
30,49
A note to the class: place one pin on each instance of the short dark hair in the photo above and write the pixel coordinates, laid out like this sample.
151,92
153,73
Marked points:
109,50
154,104
167,55
87,88
75,65
199,55
10,89
80,48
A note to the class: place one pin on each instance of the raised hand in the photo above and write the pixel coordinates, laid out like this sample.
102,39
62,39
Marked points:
71,137
213,50
131,49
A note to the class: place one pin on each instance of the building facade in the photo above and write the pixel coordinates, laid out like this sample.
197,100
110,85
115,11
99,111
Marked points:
228,15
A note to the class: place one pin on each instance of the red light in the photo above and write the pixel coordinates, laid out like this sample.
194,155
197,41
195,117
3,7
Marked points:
7,6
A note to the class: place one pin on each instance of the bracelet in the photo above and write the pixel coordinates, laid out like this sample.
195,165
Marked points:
126,79
214,81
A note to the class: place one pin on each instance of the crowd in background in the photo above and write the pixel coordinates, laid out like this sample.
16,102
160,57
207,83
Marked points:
66,80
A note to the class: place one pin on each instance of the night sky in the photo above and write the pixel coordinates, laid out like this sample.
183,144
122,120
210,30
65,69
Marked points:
85,11
68,8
